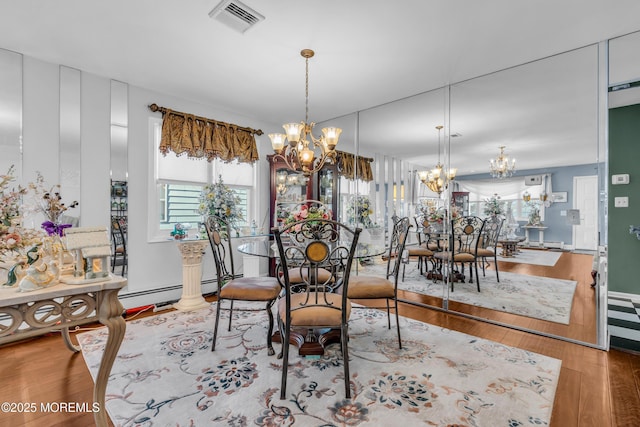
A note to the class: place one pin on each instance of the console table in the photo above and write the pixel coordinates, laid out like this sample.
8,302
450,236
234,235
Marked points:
540,229
61,307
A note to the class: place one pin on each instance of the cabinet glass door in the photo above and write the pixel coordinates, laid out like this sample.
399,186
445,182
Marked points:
291,188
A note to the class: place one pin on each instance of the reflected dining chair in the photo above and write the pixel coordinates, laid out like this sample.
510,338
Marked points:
320,244
118,246
365,287
464,239
487,247
422,252
232,288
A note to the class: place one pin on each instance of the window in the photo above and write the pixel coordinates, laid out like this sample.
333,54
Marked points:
510,192
178,182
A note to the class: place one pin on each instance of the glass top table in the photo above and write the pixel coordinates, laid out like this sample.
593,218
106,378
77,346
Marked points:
269,249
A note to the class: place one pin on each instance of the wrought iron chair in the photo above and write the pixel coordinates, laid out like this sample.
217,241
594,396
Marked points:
118,246
487,247
319,244
463,245
422,252
363,287
232,288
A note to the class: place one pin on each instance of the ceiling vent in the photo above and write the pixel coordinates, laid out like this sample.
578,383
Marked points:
236,15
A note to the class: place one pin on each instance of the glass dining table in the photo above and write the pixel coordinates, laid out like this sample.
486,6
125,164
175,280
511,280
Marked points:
310,343
269,249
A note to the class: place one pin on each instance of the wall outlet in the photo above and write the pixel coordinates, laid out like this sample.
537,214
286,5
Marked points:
621,202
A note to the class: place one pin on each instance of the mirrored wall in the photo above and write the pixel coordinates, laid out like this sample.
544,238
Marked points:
10,112
119,159
69,155
547,115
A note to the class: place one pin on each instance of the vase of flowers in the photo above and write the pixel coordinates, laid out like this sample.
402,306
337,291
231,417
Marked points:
14,238
221,200
307,212
359,211
48,202
493,206
437,216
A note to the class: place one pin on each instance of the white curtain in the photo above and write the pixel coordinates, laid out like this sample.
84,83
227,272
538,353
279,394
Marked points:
507,189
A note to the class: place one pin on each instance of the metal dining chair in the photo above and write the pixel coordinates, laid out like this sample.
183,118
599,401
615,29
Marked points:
319,244
463,245
488,246
232,288
365,287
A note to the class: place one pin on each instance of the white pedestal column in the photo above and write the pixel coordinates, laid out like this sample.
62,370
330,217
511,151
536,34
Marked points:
192,298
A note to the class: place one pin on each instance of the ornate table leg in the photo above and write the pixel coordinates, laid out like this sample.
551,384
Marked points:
67,340
110,314
191,298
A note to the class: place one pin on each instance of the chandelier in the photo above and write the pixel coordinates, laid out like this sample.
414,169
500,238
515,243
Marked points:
502,167
437,179
299,155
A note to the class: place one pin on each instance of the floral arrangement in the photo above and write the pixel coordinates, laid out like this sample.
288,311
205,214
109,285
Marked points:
437,215
534,212
359,211
49,203
219,199
493,206
10,202
14,238
307,212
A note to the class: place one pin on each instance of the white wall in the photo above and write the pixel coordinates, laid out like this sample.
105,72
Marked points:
152,266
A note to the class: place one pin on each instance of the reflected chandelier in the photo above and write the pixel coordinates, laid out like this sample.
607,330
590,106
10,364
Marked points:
299,155
437,179
502,167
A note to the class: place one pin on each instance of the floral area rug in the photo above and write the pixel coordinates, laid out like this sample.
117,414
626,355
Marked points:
531,296
536,257
165,374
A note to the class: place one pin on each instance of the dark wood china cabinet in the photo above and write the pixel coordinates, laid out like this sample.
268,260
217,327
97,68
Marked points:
289,188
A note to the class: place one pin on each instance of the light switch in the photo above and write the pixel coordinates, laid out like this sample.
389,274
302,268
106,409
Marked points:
620,179
621,202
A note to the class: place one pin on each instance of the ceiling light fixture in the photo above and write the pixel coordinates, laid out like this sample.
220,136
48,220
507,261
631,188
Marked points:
299,155
437,179
502,167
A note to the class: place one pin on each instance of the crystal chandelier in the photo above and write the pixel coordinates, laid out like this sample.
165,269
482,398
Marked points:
502,167
299,155
437,179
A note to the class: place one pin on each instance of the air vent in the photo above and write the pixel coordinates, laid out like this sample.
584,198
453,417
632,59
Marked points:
456,135
236,15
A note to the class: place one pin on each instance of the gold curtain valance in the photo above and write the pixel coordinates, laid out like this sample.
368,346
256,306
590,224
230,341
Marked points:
351,168
200,137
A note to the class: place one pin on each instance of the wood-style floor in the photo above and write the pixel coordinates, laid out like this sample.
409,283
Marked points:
596,388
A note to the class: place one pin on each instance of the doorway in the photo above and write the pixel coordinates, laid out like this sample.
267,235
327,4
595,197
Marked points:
585,200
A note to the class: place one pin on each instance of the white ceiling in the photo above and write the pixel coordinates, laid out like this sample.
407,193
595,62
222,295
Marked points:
368,52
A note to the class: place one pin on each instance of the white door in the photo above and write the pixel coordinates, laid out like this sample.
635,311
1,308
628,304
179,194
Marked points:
585,199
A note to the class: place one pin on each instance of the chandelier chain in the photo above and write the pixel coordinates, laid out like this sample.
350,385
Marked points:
306,92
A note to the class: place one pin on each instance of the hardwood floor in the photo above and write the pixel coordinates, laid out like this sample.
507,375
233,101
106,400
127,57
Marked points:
596,388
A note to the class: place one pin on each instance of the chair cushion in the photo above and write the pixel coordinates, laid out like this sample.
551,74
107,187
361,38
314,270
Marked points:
370,287
419,252
485,252
314,316
251,289
457,257
464,257
299,275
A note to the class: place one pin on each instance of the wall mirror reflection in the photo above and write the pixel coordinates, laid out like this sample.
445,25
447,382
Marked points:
10,112
545,115
119,196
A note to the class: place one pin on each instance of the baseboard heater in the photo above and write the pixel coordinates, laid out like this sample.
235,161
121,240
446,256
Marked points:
554,245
